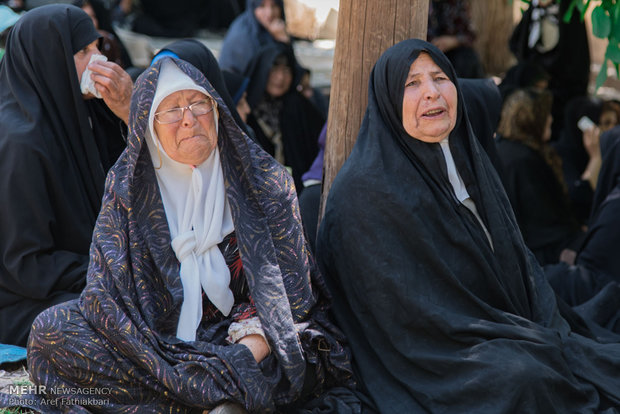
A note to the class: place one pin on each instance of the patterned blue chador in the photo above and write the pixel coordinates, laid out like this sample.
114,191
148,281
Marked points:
122,332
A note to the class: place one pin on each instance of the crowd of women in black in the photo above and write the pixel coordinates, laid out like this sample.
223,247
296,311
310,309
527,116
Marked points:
153,243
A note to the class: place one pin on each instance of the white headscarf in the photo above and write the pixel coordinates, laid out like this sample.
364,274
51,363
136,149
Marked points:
198,214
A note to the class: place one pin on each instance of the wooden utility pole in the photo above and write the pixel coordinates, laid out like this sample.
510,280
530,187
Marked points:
366,28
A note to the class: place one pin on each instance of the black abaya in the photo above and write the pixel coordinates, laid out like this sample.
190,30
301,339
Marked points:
299,121
574,155
540,204
600,248
53,165
438,318
592,286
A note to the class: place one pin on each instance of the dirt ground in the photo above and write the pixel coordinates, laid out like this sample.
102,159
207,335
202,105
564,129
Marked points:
13,374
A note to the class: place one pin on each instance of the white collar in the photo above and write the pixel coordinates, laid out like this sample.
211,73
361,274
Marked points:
453,174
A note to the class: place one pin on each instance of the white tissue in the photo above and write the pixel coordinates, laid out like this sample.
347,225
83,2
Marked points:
86,84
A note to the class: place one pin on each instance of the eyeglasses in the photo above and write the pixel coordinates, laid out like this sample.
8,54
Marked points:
173,115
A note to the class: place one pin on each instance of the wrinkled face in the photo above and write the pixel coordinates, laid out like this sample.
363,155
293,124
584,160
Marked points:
82,58
191,139
429,102
608,120
267,12
280,79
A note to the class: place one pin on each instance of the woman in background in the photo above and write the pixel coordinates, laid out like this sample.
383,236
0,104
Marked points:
57,143
589,278
532,176
286,124
262,23
580,149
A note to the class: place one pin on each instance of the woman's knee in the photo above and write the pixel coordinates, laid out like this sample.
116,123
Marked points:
47,343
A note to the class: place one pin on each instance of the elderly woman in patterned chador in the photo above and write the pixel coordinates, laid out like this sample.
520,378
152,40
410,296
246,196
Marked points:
200,287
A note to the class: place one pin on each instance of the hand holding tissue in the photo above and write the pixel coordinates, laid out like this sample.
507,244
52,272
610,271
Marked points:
87,85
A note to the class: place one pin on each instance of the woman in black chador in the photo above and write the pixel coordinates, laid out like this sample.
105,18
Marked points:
286,123
532,176
445,308
591,282
56,145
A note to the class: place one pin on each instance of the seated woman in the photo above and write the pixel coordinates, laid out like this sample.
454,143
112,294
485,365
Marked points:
598,250
286,124
591,280
580,151
262,23
56,145
445,308
200,287
532,176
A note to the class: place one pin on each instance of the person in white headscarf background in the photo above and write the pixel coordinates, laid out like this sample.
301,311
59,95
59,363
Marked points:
200,289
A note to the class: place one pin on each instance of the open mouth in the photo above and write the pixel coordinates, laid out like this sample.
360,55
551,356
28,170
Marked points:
433,113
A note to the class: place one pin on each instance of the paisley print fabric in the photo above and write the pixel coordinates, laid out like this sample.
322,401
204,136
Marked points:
120,334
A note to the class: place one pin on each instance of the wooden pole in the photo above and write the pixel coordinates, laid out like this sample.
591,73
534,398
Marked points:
366,28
